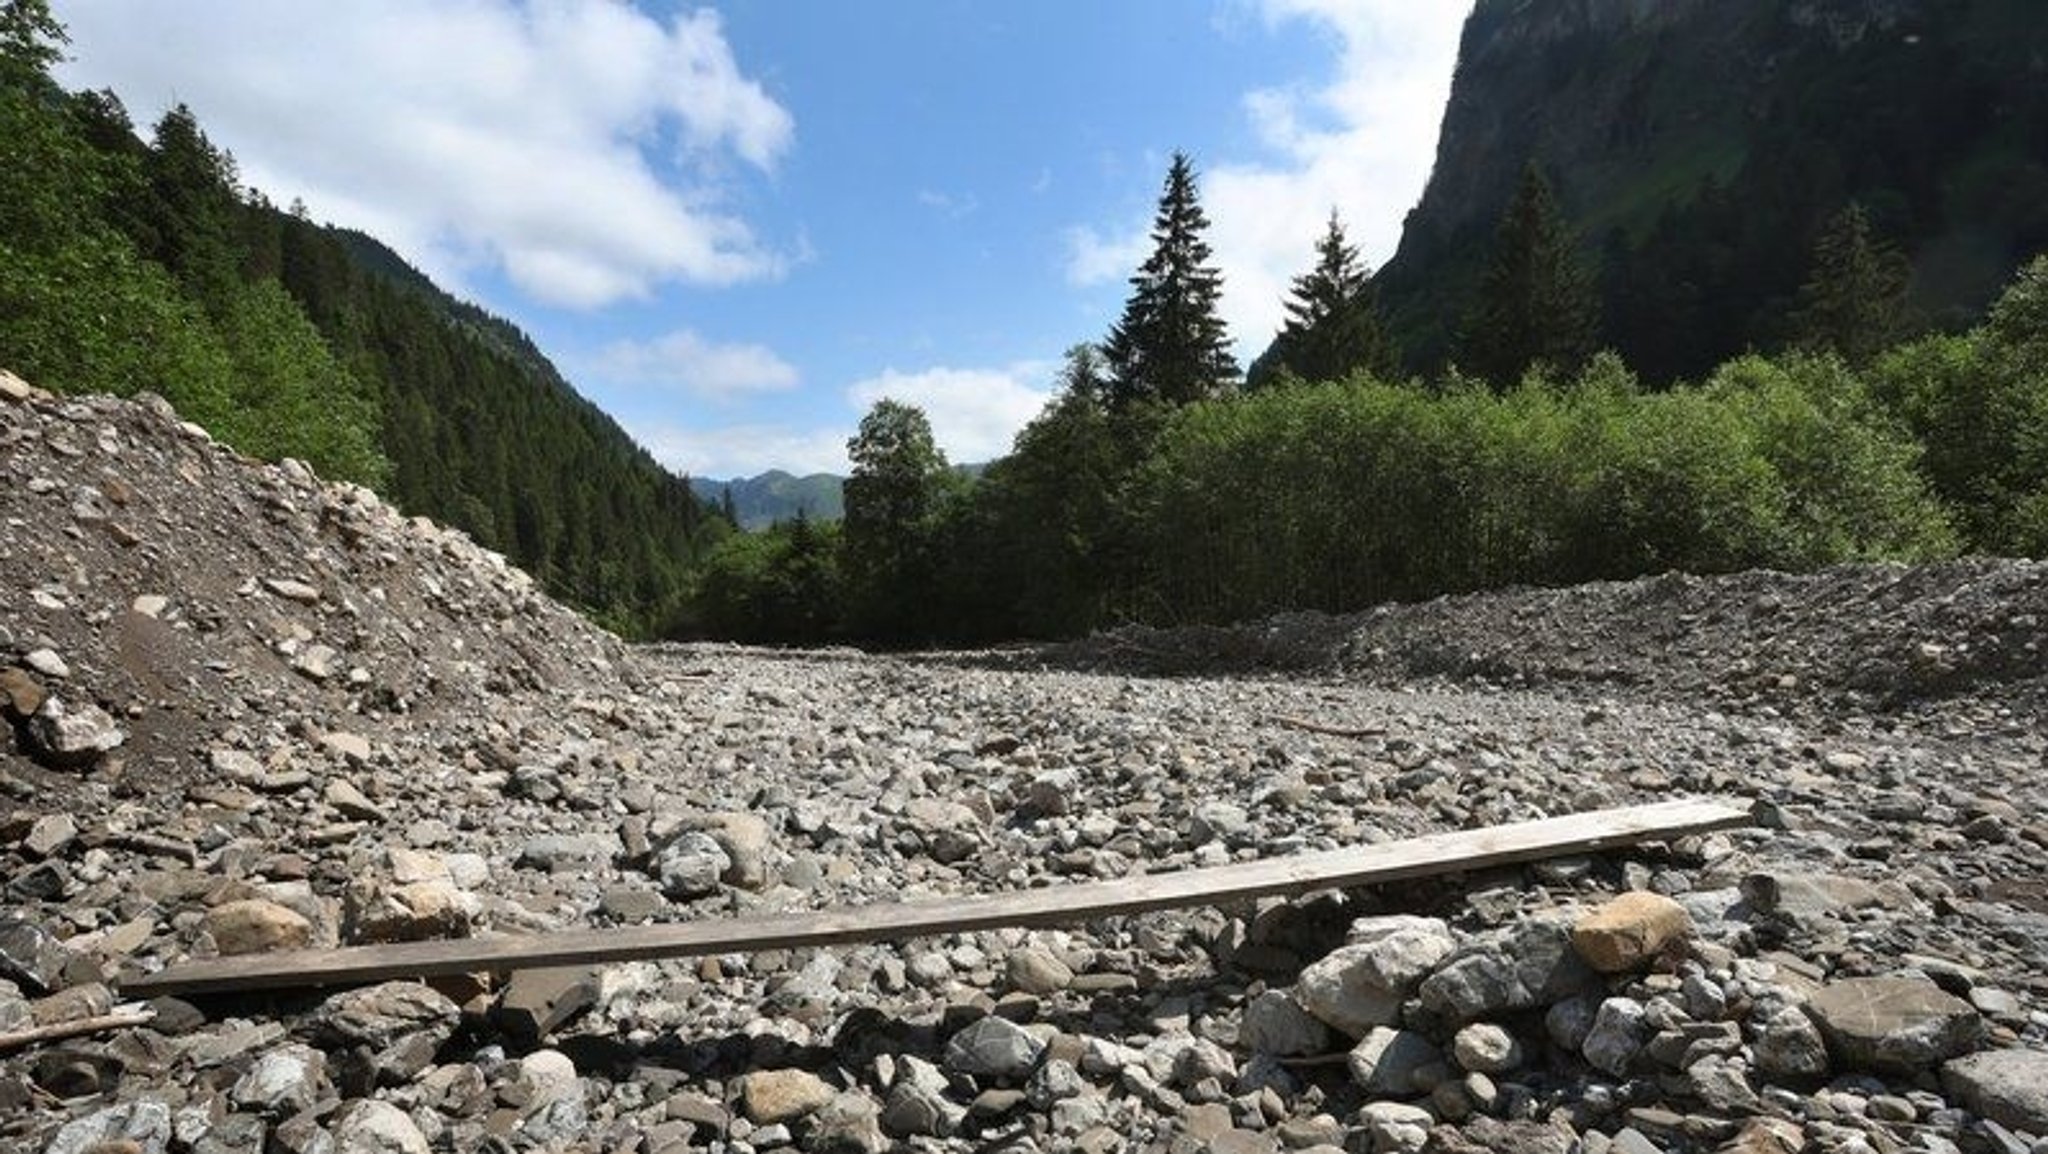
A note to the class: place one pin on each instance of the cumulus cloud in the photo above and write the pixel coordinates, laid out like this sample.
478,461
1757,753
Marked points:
975,413
687,361
1361,143
586,148
1097,258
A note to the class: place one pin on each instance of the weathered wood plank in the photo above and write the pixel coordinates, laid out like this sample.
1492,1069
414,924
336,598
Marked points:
1066,904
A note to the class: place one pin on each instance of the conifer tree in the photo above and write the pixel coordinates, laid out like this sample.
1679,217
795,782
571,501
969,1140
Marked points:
1170,345
1535,302
1333,324
1853,302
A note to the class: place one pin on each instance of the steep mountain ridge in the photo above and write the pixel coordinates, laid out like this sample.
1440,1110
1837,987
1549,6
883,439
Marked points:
1698,148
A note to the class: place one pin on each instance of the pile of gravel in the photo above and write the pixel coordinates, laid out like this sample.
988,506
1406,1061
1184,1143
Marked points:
288,716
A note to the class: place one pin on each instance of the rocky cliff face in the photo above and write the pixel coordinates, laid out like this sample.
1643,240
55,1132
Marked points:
1713,136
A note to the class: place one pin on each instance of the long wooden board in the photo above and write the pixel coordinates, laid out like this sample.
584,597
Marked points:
1063,904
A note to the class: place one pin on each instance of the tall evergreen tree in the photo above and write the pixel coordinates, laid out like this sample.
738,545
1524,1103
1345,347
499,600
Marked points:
1853,301
1535,302
1170,345
1333,323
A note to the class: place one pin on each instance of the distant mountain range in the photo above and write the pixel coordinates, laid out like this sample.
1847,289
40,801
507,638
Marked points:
775,495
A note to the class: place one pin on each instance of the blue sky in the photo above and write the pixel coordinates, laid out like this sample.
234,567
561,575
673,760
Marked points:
736,227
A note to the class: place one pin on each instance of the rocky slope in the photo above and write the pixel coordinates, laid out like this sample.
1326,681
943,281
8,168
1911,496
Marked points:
247,709
1697,148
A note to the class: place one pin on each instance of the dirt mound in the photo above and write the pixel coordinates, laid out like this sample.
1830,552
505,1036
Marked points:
1856,636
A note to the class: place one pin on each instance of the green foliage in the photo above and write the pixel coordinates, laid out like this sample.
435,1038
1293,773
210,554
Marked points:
31,42
1052,533
1534,304
1333,325
1979,403
1170,347
127,266
893,499
289,397
1853,301
1343,495
779,586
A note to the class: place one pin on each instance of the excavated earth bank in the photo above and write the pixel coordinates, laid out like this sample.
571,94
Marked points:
245,709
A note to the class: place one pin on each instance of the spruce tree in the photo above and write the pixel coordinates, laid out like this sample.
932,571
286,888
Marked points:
1853,302
1535,302
1170,345
1333,324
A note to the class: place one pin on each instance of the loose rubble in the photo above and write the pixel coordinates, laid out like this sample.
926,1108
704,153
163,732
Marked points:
248,710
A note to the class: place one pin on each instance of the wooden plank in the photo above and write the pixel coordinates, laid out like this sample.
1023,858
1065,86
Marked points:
1433,854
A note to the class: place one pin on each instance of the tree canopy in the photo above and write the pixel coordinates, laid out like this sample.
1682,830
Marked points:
1170,345
1333,325
1534,303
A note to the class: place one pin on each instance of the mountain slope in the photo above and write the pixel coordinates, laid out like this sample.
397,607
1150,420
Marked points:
761,501
1698,146
128,267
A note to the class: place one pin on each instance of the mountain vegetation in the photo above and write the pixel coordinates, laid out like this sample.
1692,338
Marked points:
773,497
1639,323
1695,286
128,266
1699,149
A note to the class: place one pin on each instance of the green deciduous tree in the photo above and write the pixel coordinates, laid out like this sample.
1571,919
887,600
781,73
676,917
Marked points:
893,497
1333,325
1170,345
1853,301
1535,303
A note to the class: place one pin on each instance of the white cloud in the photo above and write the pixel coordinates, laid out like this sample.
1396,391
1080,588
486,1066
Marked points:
1361,143
948,205
583,146
975,413
1093,258
685,360
744,450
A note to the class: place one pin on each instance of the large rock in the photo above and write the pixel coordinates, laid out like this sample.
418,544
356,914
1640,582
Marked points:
1626,933
1519,968
143,1126
744,838
367,1126
1789,1045
1897,1024
536,1002
772,1096
31,955
1362,985
255,926
1618,1033
994,1048
1274,1023
283,1082
392,1031
691,866
72,736
2010,1087
1389,1061
374,911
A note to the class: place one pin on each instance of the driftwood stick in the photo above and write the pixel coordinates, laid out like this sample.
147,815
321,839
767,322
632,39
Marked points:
1304,724
57,1031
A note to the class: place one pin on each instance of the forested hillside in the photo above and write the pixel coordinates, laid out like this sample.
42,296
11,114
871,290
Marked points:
760,501
129,266
1698,150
